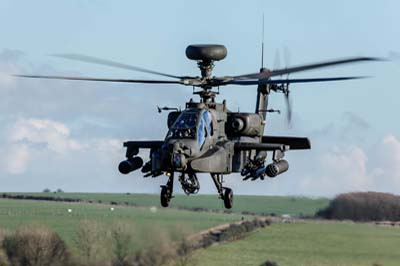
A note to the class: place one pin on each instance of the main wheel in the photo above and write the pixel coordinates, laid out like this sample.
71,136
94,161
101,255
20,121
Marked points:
165,196
228,198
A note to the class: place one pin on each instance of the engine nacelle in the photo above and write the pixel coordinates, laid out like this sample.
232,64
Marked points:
130,165
237,124
244,124
276,168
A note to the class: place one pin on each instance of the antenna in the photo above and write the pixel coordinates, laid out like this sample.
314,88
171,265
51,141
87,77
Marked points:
262,43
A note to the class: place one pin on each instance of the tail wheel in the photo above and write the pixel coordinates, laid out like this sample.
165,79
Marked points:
165,196
228,198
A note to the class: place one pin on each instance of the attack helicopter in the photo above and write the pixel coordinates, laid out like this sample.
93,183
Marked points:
206,137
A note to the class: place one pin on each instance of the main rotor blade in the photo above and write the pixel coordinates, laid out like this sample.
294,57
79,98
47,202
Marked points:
99,61
103,79
283,81
278,72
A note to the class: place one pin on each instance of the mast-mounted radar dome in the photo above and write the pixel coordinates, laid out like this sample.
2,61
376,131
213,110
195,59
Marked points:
206,52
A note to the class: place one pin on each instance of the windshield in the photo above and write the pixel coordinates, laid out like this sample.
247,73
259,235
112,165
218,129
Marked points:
186,120
205,128
192,125
185,126
201,133
208,121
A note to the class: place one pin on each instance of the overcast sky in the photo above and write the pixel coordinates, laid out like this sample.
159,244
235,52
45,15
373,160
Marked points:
64,134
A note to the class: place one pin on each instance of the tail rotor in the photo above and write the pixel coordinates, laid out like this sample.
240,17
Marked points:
284,86
286,91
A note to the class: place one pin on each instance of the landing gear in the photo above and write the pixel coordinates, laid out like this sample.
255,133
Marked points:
166,191
165,197
225,193
228,198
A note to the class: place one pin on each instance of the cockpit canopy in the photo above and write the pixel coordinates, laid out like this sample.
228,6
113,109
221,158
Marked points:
184,126
192,124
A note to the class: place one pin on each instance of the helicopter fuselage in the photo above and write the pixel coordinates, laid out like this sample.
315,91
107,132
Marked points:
207,138
202,138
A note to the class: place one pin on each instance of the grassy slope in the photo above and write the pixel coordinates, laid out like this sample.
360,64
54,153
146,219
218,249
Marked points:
16,213
288,244
310,244
256,204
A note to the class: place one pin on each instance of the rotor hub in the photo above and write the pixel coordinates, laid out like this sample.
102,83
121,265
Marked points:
206,68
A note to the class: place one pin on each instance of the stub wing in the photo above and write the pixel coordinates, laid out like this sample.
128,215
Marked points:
294,143
133,147
273,143
246,146
144,144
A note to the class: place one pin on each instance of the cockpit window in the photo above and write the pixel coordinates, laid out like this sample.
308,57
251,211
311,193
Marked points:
201,136
185,126
186,120
205,128
208,121
192,125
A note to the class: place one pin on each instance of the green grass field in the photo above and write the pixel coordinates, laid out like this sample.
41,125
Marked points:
308,244
143,220
305,243
256,204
